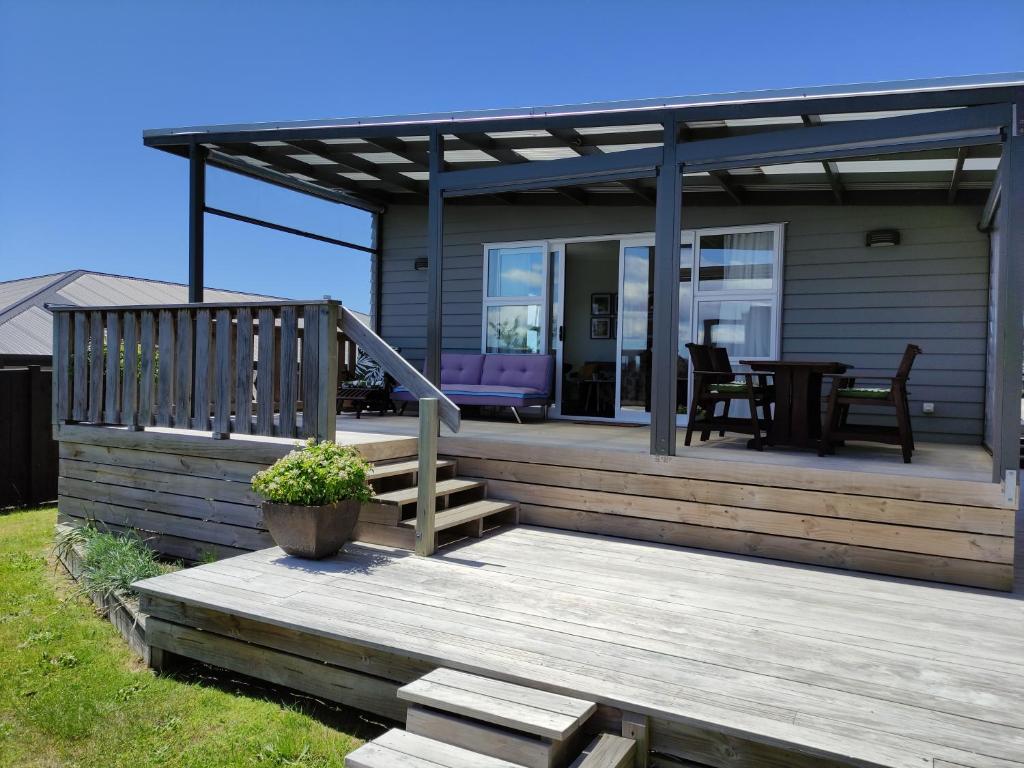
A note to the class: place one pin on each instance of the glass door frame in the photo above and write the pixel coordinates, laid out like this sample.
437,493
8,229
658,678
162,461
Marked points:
553,301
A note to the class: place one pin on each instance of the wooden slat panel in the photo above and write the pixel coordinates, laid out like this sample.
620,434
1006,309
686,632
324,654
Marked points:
222,373
265,374
183,369
80,400
288,356
61,367
130,371
310,369
203,372
147,366
112,380
96,367
243,371
165,375
327,424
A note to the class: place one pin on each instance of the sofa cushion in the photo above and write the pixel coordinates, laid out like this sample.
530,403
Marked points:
521,371
461,368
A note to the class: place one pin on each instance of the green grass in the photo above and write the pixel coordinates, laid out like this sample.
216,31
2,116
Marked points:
72,694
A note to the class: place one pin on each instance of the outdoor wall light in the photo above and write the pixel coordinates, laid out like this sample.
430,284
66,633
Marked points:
881,238
420,264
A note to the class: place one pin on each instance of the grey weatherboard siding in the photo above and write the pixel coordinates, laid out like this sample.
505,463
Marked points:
842,301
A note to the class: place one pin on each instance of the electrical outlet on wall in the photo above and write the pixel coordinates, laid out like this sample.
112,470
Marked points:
928,408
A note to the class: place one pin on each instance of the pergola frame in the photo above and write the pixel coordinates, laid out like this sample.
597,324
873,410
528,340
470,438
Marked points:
964,115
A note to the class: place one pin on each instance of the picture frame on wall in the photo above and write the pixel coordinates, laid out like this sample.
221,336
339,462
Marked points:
601,304
600,327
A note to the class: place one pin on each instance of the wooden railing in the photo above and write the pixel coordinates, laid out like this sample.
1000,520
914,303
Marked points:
266,368
399,368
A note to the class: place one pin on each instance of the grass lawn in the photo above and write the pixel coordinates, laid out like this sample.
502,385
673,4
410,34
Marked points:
72,694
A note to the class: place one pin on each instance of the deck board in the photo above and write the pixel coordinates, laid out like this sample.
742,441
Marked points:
870,671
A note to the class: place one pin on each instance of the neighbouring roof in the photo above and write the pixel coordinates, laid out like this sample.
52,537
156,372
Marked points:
376,161
26,325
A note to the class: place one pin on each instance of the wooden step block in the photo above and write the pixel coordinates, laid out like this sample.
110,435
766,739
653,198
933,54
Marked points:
464,513
412,466
519,748
407,750
529,710
607,751
441,489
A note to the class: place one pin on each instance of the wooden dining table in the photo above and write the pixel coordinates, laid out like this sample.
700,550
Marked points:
797,417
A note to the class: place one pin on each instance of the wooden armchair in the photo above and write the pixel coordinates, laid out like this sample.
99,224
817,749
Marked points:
846,393
715,382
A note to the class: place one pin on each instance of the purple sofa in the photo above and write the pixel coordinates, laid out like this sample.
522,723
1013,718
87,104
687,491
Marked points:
512,381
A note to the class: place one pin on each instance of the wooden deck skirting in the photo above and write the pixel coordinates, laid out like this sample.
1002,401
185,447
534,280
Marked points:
954,531
191,494
188,494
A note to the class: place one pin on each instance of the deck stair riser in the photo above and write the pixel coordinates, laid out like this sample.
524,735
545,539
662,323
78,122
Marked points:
525,726
608,751
462,508
401,749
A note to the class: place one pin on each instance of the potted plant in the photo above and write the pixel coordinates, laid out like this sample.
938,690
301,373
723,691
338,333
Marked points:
312,498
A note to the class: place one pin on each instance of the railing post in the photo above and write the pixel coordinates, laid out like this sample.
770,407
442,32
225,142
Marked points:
426,499
327,359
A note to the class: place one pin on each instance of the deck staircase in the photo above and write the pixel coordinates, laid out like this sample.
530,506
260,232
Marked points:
463,508
460,720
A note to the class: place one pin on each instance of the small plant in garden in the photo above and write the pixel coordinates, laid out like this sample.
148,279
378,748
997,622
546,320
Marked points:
111,563
315,475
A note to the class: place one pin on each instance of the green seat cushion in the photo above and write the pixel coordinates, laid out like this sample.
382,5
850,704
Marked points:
868,393
736,386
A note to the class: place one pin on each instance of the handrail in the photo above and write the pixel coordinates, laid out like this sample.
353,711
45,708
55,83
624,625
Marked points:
398,367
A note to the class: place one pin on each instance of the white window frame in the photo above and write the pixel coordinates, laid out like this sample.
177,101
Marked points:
773,294
497,301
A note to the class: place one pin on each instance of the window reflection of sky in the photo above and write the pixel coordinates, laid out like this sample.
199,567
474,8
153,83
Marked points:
515,272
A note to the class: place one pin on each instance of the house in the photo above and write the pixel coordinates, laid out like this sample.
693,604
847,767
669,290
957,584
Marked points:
707,599
26,332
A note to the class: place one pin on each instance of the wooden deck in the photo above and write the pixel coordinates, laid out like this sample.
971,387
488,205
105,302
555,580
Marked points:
737,661
948,461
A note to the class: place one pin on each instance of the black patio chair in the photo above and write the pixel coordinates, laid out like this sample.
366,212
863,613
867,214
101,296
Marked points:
846,393
714,382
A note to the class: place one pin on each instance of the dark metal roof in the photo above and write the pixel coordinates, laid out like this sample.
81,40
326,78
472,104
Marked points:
372,162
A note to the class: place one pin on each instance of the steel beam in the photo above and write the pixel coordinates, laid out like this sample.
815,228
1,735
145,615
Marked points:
1009,283
631,164
847,139
958,171
287,230
722,179
363,202
730,107
577,143
376,269
665,351
196,212
988,212
435,259
830,168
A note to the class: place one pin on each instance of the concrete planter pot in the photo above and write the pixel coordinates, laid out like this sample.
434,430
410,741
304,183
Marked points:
311,532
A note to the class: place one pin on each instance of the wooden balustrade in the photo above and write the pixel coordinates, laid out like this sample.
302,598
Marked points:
266,368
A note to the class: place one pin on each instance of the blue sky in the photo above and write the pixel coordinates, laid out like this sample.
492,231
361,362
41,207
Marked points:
80,81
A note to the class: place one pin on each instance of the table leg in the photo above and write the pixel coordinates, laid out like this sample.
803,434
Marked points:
781,430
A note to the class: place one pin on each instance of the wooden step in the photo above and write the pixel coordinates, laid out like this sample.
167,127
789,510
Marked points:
442,488
465,513
408,750
528,710
502,743
410,467
607,751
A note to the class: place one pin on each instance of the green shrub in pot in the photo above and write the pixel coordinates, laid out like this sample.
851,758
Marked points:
312,497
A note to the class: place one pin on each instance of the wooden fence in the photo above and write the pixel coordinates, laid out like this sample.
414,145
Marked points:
28,452
267,368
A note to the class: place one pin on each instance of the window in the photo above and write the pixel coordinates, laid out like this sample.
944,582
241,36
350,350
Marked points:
737,261
515,284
